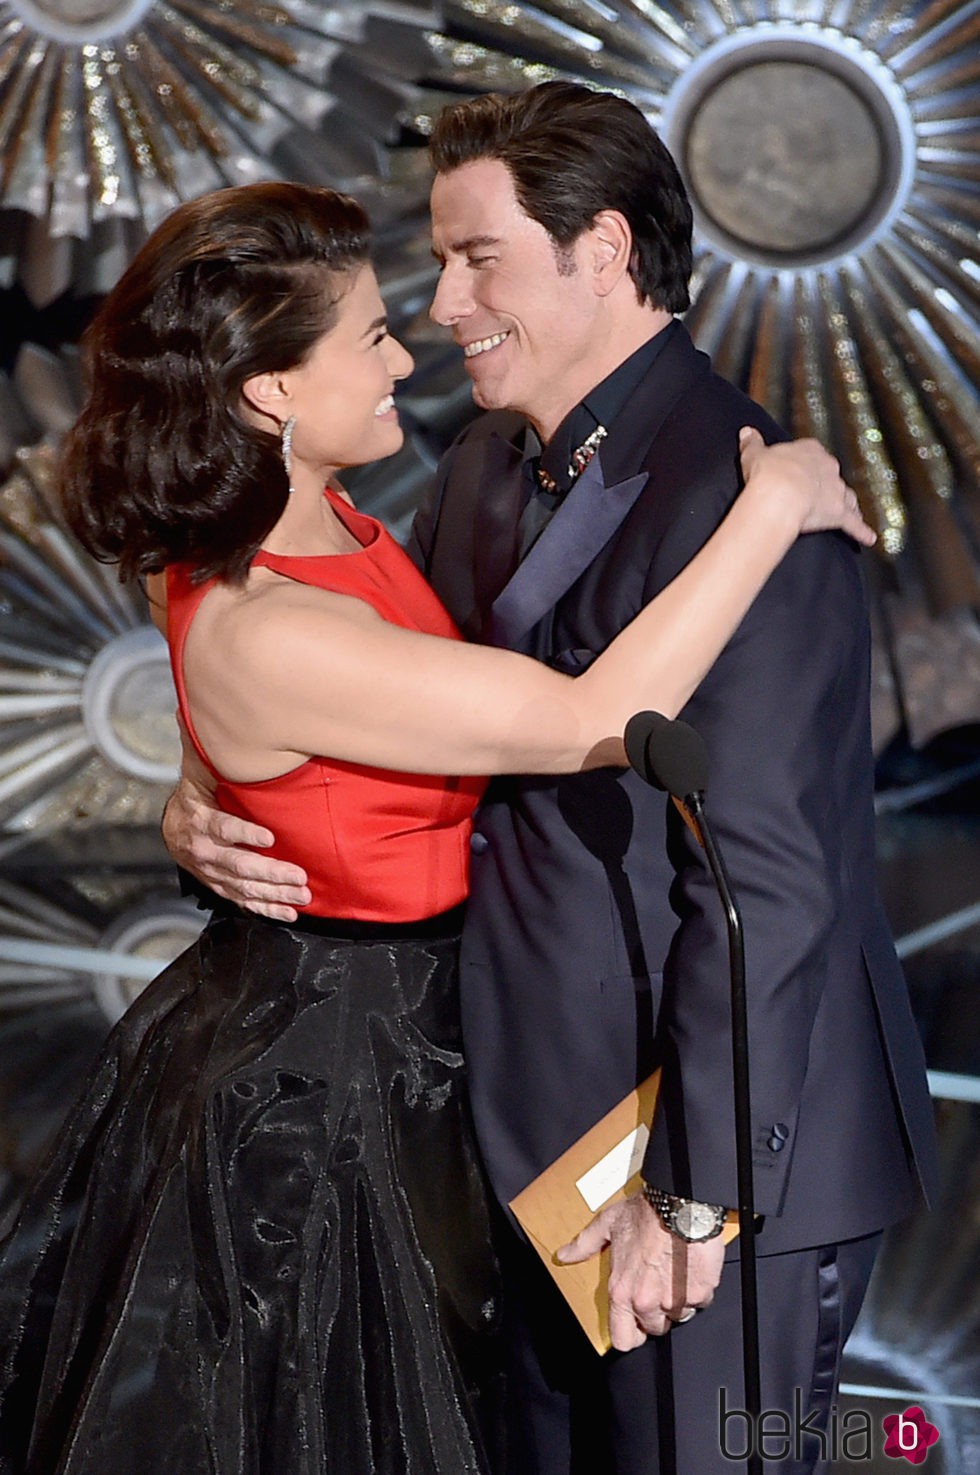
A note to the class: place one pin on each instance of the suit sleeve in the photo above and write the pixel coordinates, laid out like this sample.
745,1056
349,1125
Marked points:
769,711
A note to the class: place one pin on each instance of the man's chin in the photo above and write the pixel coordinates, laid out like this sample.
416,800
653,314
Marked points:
486,399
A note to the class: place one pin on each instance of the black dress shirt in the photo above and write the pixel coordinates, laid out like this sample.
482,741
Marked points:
599,408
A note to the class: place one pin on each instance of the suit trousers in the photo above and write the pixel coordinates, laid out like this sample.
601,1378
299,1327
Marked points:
658,1409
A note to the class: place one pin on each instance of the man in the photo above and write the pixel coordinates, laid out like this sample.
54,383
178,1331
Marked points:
589,956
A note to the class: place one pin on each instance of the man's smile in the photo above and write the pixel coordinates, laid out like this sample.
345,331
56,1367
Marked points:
484,345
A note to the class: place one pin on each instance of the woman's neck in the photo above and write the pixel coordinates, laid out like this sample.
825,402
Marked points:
309,526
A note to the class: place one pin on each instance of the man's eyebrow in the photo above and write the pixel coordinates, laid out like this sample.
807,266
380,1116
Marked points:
381,322
468,244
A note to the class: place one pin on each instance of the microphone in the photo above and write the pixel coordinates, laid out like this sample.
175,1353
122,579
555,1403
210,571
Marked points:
667,755
674,757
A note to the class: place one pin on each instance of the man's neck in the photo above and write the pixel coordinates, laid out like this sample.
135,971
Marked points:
629,332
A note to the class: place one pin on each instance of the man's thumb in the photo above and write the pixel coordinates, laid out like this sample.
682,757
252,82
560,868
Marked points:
592,1239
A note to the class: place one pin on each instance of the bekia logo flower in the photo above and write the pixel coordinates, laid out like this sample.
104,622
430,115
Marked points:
909,1435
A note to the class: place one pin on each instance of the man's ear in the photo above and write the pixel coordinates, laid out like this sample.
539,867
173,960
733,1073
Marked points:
611,249
268,395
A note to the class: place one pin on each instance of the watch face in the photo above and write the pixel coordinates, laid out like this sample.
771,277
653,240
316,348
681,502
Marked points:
695,1221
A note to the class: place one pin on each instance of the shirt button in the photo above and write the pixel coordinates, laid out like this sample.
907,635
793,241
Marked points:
478,843
778,1137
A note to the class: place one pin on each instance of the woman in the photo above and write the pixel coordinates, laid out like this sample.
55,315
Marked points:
261,1244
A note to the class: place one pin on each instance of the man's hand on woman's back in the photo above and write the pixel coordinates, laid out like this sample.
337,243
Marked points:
221,850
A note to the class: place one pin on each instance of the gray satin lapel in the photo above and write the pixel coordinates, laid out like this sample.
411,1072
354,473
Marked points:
581,527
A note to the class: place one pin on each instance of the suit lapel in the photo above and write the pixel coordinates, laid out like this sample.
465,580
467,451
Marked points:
593,510
581,527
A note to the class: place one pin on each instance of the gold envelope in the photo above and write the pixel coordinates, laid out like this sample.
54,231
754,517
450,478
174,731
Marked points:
599,1169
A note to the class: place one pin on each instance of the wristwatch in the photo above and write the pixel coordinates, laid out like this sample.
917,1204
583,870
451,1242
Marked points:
690,1220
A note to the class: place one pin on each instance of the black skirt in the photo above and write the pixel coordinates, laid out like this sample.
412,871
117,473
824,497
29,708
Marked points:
261,1245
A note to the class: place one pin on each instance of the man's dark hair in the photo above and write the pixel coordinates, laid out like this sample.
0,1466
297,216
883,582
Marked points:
572,152
162,466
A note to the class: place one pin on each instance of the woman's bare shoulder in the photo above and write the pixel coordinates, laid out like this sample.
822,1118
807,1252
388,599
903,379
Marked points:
252,627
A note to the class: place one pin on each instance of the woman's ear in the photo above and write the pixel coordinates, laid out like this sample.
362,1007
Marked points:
611,248
268,396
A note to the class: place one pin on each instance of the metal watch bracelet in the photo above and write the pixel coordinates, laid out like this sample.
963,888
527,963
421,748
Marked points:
666,1206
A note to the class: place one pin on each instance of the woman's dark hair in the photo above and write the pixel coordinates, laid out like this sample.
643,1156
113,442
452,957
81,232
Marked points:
162,466
572,152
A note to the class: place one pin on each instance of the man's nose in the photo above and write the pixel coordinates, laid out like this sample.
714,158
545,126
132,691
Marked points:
452,299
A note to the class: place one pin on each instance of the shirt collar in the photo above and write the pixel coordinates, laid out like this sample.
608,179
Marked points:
600,406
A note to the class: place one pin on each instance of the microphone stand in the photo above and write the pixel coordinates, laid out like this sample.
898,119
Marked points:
694,805
672,756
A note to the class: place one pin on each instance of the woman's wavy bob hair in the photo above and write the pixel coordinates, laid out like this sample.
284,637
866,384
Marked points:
162,466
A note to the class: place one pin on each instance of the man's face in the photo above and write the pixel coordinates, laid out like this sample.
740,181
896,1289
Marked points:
523,316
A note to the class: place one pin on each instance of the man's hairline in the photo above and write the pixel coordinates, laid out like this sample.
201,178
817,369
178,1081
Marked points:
563,253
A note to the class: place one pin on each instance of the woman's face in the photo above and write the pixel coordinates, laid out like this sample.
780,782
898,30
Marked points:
342,394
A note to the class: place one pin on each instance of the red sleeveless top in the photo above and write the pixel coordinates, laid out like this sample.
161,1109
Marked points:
376,845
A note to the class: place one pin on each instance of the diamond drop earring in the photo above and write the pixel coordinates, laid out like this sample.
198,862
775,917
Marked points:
286,438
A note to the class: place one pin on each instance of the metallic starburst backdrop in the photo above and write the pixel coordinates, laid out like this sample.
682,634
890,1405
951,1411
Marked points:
112,111
86,700
99,936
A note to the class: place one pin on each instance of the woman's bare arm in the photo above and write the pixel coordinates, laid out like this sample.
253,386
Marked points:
291,670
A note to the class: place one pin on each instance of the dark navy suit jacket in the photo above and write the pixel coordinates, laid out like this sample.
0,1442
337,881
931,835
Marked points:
595,944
